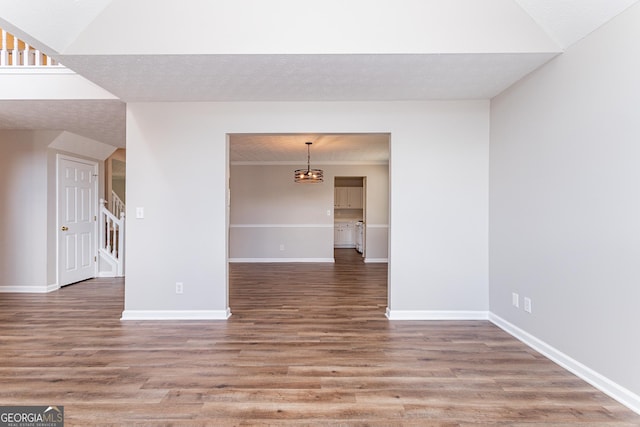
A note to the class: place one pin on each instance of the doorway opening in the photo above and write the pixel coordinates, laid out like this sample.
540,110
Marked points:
272,219
349,214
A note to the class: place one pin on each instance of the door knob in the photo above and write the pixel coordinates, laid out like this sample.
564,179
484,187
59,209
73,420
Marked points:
64,228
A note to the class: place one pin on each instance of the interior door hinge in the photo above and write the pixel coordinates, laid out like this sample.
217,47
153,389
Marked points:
95,259
95,218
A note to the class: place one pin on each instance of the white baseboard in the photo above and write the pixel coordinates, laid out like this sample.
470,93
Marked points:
602,383
106,274
176,314
30,289
281,260
435,315
376,260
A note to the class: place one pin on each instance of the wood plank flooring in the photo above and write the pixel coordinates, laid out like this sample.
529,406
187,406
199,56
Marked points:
307,344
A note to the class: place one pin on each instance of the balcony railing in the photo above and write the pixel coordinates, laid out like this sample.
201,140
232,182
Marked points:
16,53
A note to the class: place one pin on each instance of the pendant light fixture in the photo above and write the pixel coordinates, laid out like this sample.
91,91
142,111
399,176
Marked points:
308,175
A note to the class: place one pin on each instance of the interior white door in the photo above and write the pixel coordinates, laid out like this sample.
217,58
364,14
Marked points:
76,220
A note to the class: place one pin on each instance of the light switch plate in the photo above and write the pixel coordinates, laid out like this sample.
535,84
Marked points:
139,213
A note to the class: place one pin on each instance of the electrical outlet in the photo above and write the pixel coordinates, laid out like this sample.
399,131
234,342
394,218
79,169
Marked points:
281,247
527,304
179,287
515,299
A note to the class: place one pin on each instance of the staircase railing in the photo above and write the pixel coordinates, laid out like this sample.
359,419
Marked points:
117,205
17,53
112,238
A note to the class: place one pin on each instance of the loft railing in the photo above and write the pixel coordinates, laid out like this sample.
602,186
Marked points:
17,53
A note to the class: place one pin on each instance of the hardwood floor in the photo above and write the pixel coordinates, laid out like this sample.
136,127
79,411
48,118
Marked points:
307,344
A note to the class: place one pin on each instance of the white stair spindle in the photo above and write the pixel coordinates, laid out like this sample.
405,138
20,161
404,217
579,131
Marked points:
120,268
38,58
110,236
15,54
4,51
25,55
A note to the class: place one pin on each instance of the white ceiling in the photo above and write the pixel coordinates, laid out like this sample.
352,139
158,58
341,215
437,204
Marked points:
274,77
101,120
363,77
326,148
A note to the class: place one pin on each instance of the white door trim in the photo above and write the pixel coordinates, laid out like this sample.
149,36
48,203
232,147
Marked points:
96,173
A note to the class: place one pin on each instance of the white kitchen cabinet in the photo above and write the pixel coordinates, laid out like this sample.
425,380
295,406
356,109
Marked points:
347,198
340,197
344,235
354,197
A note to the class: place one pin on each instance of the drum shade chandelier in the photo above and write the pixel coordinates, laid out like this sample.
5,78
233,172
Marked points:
308,175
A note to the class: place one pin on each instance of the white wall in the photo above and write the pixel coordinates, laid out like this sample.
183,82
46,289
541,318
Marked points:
177,171
28,194
54,83
439,211
269,209
23,210
565,206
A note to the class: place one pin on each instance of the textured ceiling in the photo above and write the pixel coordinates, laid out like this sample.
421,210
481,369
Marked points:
306,77
103,121
326,148
299,77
